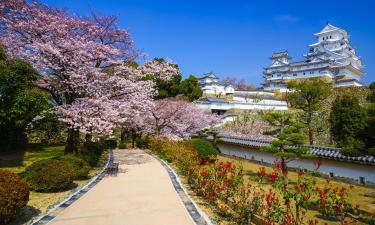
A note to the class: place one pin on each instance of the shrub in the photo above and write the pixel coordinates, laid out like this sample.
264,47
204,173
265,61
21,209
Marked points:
184,156
80,167
142,142
122,146
110,144
49,175
91,153
14,195
205,149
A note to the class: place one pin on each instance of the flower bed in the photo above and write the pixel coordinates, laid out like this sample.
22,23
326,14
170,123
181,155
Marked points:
266,198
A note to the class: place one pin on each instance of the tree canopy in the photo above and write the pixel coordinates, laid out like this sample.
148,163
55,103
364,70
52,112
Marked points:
308,96
20,101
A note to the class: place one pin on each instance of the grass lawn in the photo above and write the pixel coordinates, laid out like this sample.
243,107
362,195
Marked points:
17,161
356,195
39,202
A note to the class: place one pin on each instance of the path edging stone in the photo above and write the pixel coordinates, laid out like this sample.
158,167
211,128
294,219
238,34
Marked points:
70,199
195,213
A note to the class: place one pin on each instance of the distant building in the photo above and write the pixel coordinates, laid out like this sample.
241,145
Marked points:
211,85
220,97
331,57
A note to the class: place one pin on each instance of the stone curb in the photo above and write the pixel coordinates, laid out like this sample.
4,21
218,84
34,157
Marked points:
195,213
52,213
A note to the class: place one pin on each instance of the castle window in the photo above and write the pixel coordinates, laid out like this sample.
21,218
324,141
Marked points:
304,73
330,37
278,75
294,75
311,72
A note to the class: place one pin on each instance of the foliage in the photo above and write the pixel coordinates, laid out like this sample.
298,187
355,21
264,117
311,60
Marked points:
49,175
205,149
177,119
348,118
308,96
249,123
224,186
20,102
240,85
184,156
333,202
80,167
46,129
191,88
122,145
110,144
14,195
287,146
142,142
85,66
91,152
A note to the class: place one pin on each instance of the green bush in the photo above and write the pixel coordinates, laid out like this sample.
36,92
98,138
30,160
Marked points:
14,195
122,146
205,149
142,142
49,175
91,153
110,144
81,168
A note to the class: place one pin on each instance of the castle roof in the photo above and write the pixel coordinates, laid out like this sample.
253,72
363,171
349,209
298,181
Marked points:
208,75
330,28
278,55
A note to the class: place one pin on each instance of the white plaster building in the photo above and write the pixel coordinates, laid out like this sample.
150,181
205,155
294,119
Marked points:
211,85
331,57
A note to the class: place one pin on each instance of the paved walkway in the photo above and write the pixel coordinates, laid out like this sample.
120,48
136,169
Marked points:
141,193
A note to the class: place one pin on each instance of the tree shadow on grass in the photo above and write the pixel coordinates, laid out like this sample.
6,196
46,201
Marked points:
27,213
11,159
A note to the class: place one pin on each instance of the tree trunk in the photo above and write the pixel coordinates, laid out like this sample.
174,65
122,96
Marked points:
284,170
311,136
88,138
122,135
134,136
72,141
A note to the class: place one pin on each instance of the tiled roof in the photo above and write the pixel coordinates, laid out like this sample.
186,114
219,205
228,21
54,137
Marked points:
326,152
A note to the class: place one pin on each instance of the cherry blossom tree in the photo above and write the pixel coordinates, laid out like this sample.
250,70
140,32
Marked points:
177,119
82,62
238,85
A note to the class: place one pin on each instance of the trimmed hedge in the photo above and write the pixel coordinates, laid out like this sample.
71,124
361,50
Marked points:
14,195
205,149
49,175
80,167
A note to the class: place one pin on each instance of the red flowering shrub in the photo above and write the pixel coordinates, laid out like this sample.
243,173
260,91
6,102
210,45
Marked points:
333,201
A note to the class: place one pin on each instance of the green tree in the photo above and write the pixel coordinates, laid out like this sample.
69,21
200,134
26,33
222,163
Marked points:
20,101
308,95
289,139
168,88
190,88
348,120
371,96
368,134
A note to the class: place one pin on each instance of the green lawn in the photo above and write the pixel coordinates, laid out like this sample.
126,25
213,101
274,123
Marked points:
17,161
356,195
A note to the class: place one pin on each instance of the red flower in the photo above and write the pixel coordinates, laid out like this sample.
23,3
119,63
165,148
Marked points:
300,173
318,163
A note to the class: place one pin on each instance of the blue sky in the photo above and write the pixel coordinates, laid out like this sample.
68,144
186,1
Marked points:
234,38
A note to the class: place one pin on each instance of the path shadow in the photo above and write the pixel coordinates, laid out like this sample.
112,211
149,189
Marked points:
131,157
27,213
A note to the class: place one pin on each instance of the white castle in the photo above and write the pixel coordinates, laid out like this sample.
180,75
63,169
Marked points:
331,57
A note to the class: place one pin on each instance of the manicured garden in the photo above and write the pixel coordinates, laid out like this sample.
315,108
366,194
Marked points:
39,178
232,190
